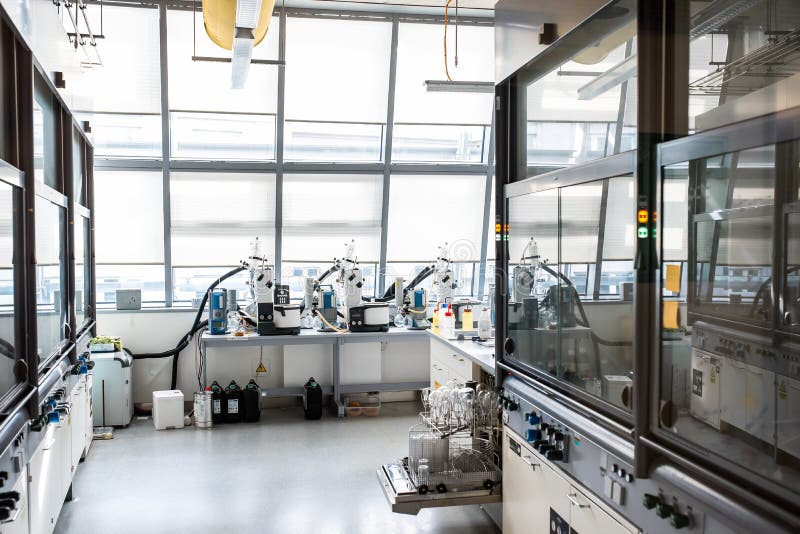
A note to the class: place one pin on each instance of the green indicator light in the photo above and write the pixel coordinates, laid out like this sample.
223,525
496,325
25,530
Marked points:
642,232
654,233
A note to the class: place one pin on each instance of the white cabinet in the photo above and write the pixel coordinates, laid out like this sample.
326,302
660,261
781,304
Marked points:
447,364
77,424
530,491
18,523
539,499
53,464
589,515
789,415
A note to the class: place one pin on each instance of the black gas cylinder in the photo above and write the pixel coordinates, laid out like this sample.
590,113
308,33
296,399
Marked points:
233,403
251,402
312,399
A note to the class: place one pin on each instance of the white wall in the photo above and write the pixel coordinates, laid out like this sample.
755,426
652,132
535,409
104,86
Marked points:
146,331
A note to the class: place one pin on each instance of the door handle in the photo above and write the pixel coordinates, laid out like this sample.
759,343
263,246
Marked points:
574,501
527,460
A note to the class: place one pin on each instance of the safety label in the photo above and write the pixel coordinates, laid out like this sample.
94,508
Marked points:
233,405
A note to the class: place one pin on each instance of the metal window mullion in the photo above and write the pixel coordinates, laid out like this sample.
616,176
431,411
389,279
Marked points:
165,153
280,121
487,205
387,157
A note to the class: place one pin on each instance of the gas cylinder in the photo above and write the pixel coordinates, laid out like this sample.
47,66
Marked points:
312,399
233,403
251,402
218,404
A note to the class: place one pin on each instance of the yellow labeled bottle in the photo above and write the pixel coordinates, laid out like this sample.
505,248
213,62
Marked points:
435,323
467,324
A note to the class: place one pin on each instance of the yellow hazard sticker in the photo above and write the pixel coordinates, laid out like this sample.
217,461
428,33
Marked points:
782,391
261,368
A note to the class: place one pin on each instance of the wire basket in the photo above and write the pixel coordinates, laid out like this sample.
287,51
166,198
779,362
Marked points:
454,446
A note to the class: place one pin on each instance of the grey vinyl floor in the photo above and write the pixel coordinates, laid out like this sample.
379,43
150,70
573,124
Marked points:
283,474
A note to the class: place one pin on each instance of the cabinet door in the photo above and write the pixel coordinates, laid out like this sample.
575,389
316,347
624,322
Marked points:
439,374
39,490
19,525
77,423
789,416
732,395
586,516
530,490
761,403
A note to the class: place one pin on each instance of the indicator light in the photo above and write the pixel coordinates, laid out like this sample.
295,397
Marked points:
642,232
642,216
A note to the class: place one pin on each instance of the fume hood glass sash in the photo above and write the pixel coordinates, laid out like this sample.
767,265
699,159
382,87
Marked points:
557,333
729,361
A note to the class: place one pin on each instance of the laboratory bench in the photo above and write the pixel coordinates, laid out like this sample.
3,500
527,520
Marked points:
312,337
462,360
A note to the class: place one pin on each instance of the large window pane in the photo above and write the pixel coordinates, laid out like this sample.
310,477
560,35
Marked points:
191,283
420,58
215,216
322,213
216,136
50,287
129,79
465,275
293,274
206,85
7,315
425,212
129,221
121,135
147,278
442,126
428,142
337,70
333,141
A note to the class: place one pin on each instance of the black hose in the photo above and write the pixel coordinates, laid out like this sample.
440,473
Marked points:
422,275
326,274
197,325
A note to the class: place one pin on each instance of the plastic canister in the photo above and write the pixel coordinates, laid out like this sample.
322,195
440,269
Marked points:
312,399
203,400
219,406
484,325
449,328
251,402
467,324
233,403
